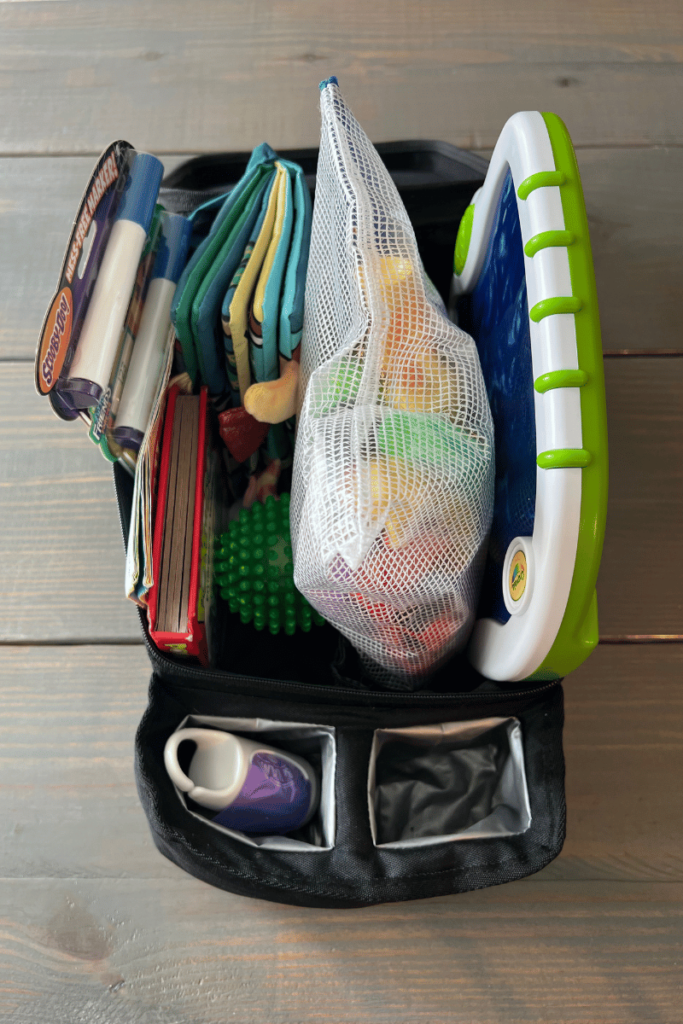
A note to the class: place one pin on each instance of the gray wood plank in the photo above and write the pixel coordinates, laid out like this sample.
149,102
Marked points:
622,740
638,586
633,198
62,549
636,228
132,951
225,78
63,557
67,790
68,799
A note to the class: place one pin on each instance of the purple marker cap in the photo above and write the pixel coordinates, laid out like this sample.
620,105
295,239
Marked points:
82,393
62,404
128,437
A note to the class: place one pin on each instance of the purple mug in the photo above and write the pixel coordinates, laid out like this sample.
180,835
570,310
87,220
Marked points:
254,787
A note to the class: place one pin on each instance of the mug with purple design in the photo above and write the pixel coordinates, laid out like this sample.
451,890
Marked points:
254,787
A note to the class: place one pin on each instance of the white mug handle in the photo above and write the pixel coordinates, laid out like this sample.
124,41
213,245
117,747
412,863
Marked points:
178,776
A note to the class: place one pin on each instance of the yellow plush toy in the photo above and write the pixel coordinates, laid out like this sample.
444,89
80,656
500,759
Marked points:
274,401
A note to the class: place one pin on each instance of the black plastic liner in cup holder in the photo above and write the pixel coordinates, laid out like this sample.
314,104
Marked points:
456,780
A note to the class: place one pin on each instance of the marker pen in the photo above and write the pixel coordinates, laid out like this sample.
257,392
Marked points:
151,344
98,343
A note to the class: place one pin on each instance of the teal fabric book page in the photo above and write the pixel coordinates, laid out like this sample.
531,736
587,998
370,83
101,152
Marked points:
260,164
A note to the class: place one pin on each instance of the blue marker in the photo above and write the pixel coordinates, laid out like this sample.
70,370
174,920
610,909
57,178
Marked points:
154,337
100,335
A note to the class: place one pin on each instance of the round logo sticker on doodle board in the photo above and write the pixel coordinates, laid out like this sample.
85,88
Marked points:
517,578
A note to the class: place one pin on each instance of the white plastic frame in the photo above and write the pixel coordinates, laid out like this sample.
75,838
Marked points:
515,650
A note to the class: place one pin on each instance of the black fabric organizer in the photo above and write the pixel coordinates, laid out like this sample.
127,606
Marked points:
316,678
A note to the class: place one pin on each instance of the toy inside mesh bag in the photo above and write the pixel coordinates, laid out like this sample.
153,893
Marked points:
393,477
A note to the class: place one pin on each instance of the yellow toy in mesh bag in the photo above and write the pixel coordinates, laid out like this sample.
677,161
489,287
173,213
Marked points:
392,490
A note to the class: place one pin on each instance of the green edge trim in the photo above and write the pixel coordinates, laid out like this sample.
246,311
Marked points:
543,676
560,379
462,241
558,304
546,239
578,633
540,180
564,458
106,450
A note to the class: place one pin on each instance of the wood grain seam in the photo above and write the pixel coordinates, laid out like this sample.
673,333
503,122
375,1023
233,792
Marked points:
478,150
642,353
78,642
643,638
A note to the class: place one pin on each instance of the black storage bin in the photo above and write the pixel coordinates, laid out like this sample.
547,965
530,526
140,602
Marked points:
496,785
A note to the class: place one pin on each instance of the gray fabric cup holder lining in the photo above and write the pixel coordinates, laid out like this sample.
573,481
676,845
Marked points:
316,743
453,781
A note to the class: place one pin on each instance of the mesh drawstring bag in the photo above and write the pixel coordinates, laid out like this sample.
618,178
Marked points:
392,490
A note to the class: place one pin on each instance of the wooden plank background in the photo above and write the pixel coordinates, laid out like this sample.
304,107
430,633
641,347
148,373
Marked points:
96,925
226,75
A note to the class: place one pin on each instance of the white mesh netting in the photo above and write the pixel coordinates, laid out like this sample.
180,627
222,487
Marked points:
392,491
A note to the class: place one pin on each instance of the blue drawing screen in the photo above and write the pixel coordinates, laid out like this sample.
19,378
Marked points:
496,315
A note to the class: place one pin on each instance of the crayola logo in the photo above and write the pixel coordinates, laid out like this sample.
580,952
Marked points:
518,576
56,339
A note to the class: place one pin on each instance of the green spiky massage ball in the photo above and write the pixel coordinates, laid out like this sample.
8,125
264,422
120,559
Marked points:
255,573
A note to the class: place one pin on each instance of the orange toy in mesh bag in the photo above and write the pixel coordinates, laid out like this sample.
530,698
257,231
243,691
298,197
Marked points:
392,491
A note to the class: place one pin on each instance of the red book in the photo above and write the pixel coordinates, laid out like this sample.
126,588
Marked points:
163,455
180,598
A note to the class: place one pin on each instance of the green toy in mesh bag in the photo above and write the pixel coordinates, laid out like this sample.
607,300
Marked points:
392,489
